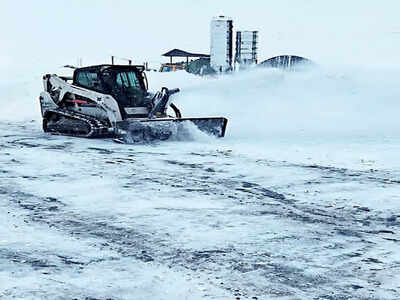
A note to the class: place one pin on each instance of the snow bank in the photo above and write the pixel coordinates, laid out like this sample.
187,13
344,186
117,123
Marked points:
20,87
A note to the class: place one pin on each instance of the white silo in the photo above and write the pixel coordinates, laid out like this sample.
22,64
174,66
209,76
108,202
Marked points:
221,44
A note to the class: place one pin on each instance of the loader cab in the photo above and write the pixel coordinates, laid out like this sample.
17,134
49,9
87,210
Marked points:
126,84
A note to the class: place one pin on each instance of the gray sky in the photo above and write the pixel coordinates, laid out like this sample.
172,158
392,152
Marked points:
58,32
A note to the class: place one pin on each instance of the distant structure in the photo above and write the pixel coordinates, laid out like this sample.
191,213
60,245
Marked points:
221,58
246,48
286,62
181,53
221,50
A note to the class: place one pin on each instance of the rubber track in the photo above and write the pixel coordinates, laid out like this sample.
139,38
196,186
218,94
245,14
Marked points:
97,128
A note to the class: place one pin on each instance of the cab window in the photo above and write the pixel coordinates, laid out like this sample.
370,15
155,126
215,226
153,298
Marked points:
128,80
88,79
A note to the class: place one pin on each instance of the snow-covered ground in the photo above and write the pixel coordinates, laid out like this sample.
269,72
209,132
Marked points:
299,201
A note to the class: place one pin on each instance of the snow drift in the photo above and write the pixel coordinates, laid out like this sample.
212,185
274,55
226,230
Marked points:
266,102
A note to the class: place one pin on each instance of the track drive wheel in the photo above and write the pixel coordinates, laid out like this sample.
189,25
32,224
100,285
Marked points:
44,125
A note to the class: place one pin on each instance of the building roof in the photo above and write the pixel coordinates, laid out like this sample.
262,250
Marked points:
181,53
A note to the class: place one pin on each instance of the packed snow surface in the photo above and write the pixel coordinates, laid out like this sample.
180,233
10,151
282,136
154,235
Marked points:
300,200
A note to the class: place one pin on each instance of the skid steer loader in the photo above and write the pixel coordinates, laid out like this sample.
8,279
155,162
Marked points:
114,101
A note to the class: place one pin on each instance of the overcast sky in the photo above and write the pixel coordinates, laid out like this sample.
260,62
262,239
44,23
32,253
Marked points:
58,32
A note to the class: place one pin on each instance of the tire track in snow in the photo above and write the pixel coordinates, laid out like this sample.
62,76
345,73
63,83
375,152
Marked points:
345,237
145,247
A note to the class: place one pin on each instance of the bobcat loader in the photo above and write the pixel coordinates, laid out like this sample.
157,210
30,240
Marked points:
113,101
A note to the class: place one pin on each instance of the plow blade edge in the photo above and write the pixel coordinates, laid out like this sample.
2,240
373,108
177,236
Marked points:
133,131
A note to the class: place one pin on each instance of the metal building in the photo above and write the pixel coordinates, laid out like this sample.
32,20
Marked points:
246,47
221,49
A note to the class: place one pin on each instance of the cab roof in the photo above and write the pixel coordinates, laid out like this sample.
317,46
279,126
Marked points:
102,67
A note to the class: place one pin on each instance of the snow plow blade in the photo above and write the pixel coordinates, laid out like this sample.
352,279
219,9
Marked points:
215,126
145,130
